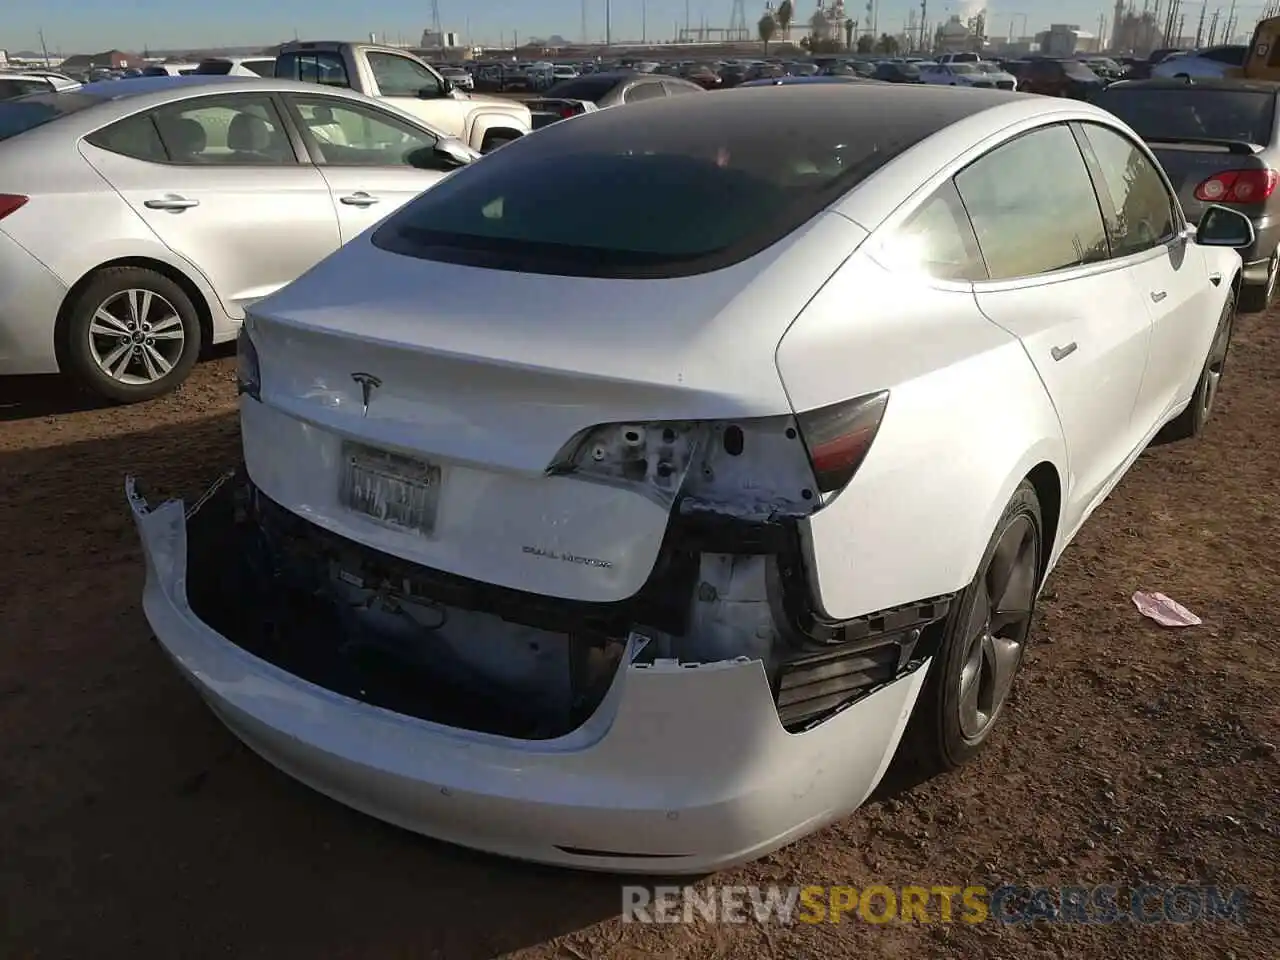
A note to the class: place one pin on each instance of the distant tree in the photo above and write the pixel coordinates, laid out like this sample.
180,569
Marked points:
767,29
849,26
866,43
819,26
786,13
887,44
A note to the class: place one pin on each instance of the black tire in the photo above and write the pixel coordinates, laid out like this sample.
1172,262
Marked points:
1191,421
936,739
177,344
1256,298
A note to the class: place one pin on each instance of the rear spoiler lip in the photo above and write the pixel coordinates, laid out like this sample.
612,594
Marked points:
1242,147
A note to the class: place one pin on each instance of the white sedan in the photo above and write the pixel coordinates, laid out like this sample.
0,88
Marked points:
956,75
1218,62
639,532
139,218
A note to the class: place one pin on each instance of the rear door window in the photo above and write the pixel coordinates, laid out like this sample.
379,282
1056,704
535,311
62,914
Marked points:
313,66
243,130
1033,207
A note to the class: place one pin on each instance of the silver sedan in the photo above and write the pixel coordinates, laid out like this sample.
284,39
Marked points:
139,219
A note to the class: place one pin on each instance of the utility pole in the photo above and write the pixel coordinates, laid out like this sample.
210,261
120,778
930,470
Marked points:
1182,20
1230,30
43,49
644,21
608,23
687,37
924,14
1213,26
1200,25
584,21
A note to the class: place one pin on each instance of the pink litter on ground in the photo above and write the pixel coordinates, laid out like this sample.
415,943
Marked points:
1164,611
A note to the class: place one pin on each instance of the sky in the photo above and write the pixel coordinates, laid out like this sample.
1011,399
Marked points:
83,26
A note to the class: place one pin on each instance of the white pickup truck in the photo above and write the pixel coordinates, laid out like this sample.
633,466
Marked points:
400,78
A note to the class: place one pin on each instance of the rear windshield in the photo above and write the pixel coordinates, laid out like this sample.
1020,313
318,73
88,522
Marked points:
34,110
214,68
1073,68
589,88
652,191
1191,113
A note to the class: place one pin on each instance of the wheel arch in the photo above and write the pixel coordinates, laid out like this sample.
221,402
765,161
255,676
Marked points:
204,312
1047,483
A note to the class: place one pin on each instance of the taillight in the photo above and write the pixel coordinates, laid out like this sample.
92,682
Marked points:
1238,186
839,436
567,112
10,202
248,377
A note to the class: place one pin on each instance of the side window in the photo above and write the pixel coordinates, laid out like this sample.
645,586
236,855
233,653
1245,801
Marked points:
325,67
401,77
643,91
135,137
263,68
937,240
1140,215
1033,207
353,135
678,89
226,131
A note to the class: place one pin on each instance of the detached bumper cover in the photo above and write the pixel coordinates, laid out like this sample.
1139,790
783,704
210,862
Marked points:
681,769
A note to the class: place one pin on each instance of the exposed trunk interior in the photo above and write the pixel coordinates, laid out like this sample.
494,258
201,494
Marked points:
470,655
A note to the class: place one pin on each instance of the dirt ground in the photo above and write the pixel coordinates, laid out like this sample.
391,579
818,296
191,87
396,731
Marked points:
132,824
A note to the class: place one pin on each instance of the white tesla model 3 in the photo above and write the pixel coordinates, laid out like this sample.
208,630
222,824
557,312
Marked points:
628,500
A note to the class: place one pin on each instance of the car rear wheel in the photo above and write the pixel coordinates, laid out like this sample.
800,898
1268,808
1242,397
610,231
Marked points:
985,636
131,335
1190,423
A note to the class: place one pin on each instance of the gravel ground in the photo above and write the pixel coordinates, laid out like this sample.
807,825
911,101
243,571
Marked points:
131,823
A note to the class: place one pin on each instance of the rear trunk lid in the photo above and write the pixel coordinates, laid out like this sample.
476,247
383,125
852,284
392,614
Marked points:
475,379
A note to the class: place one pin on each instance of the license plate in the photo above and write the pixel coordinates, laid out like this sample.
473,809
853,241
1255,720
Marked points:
391,488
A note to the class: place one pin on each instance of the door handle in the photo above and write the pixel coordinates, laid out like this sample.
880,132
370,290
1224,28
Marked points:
171,202
1158,295
1061,353
358,199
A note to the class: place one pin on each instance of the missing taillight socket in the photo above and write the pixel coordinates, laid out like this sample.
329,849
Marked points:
733,441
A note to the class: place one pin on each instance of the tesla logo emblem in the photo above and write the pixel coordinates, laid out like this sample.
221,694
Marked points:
368,383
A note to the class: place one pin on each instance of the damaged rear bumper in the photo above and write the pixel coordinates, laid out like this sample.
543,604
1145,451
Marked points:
680,769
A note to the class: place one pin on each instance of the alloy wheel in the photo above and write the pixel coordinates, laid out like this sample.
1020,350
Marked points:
136,336
997,629
1217,363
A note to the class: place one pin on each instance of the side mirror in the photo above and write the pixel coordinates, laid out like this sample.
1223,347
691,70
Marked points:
452,153
446,86
1224,227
